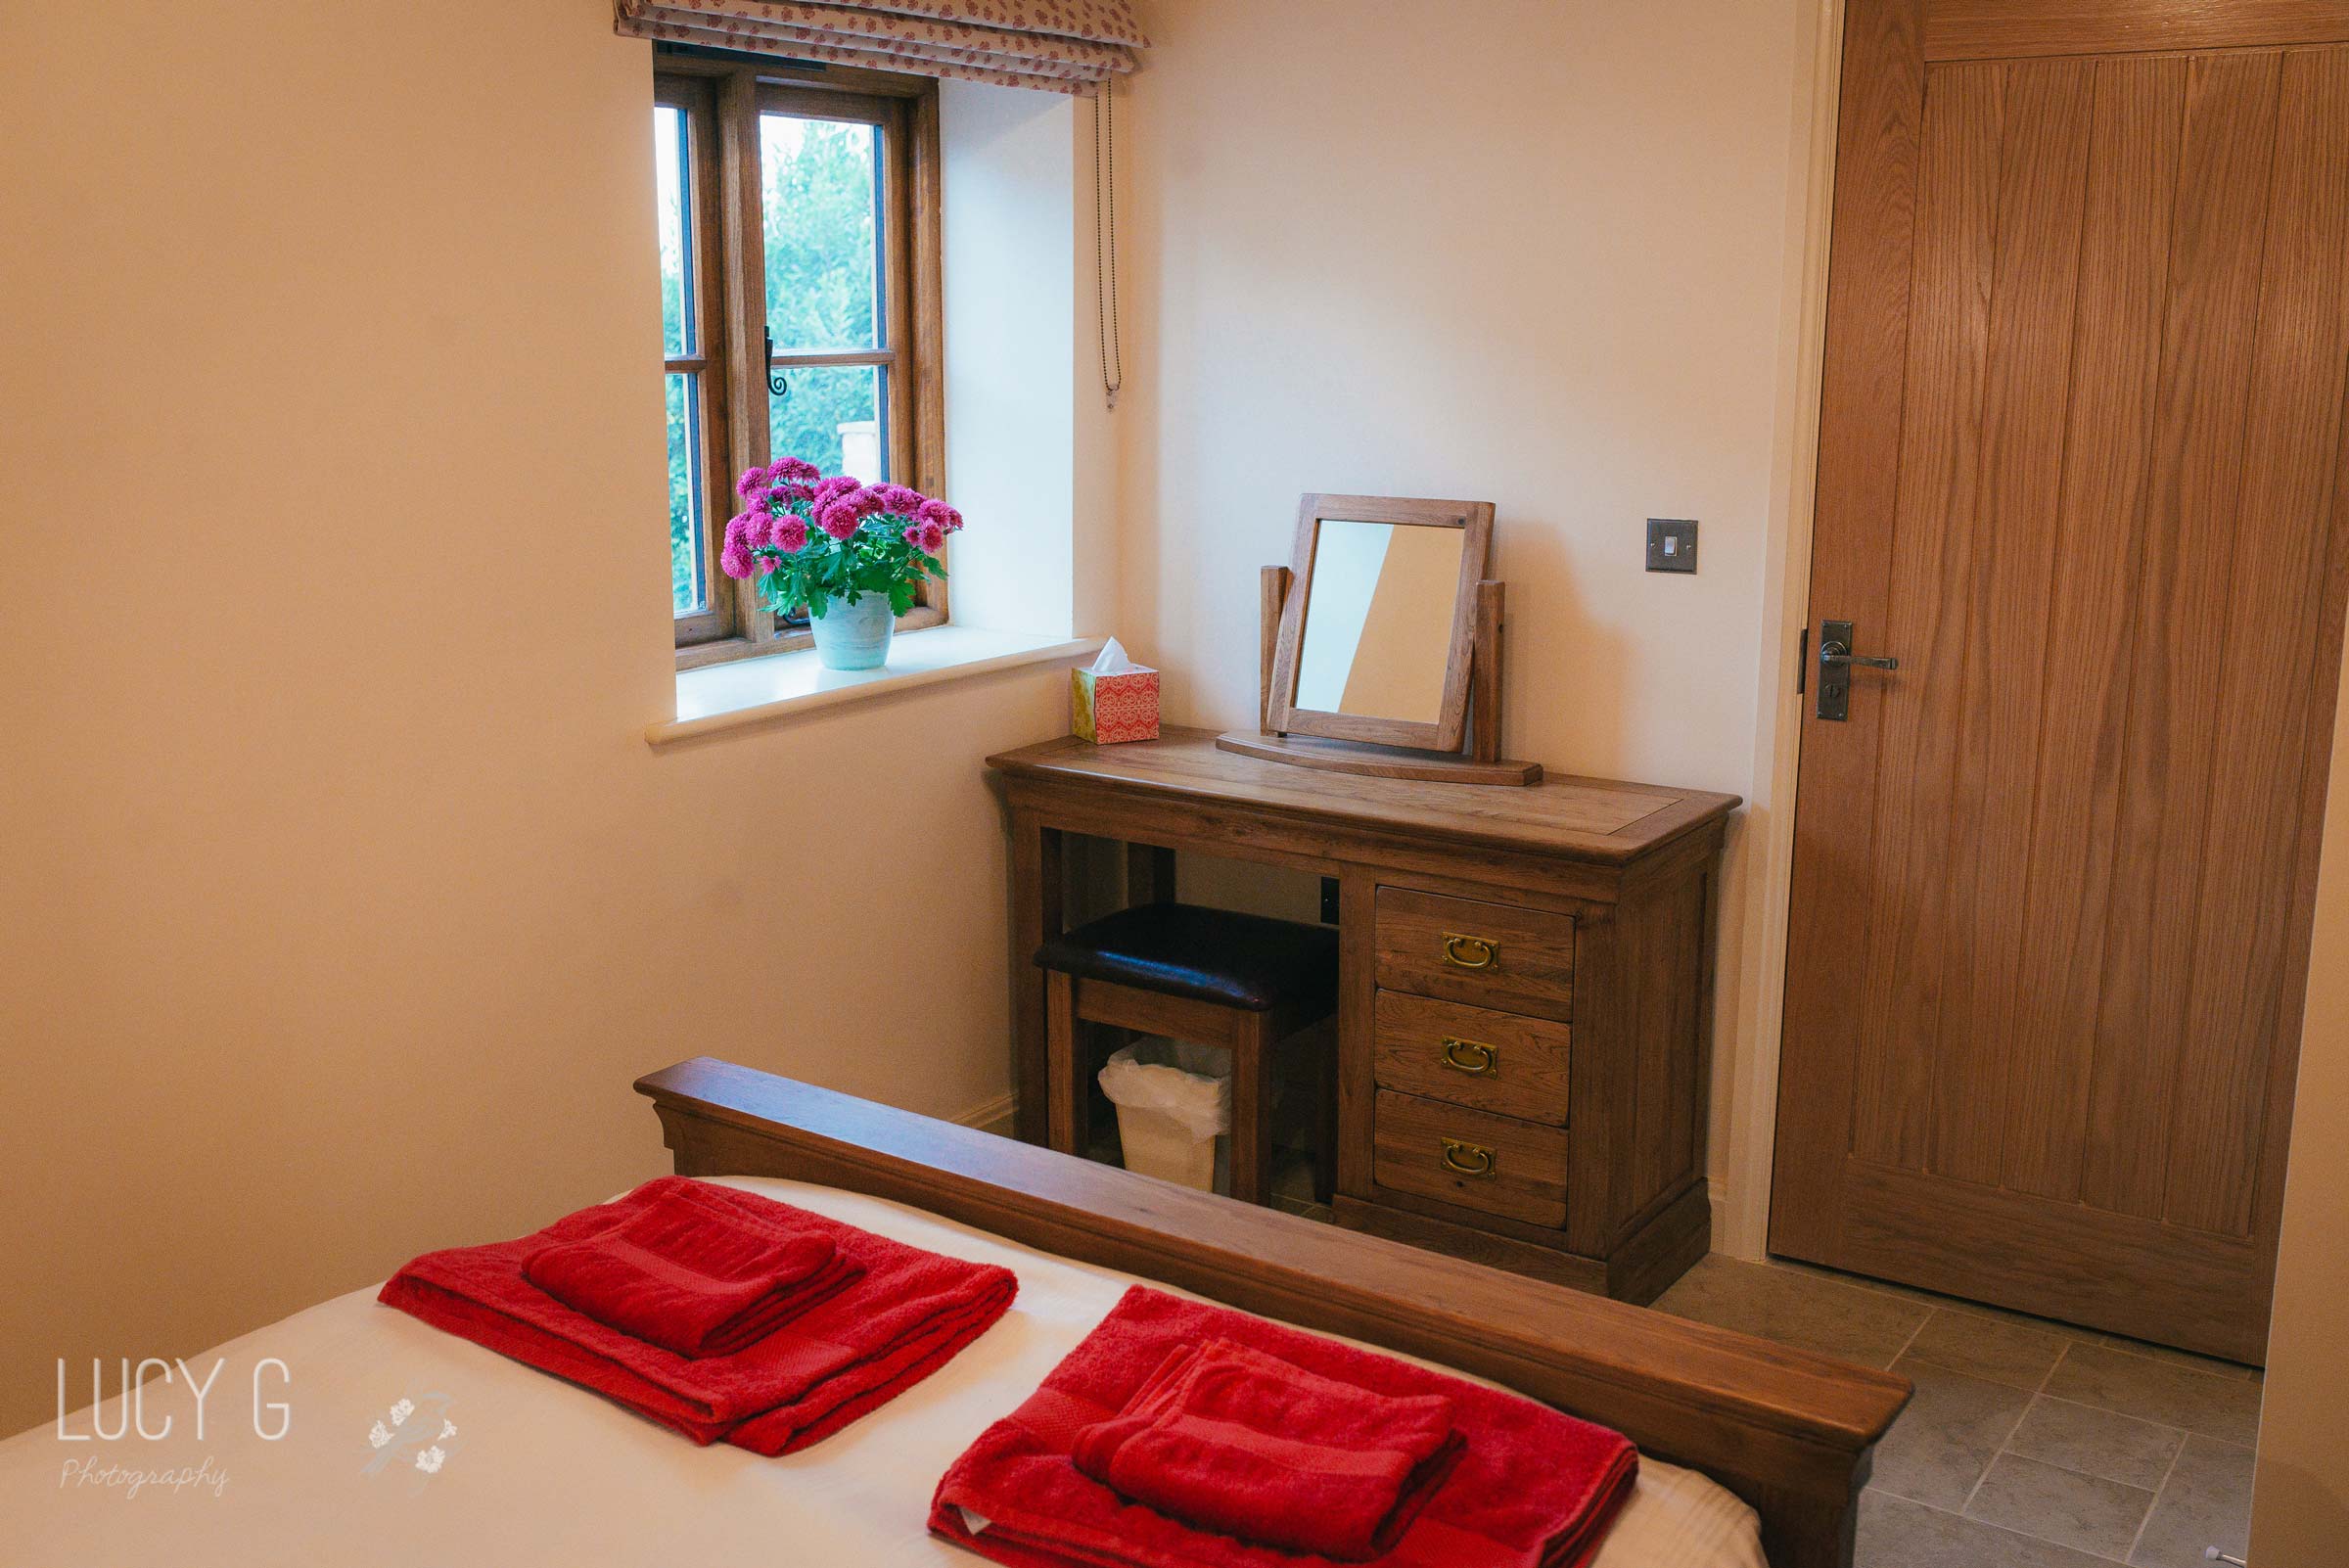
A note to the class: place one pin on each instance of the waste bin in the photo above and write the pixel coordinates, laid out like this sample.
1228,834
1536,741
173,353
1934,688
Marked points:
1174,1100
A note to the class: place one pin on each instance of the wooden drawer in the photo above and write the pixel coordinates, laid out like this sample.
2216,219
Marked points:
1500,1062
1484,954
1433,1149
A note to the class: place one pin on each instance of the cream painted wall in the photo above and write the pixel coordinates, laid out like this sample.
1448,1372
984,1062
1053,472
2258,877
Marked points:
1033,453
1550,257
1009,170
342,897
2300,1497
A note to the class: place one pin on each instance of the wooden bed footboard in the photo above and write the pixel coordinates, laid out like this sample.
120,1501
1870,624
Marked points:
1787,1431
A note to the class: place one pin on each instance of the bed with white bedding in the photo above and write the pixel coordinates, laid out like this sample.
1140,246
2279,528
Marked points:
354,1434
539,1472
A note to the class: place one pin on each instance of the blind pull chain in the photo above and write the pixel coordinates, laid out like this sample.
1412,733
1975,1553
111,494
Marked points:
1105,243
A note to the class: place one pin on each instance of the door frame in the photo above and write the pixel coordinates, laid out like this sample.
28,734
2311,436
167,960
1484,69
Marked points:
1741,1221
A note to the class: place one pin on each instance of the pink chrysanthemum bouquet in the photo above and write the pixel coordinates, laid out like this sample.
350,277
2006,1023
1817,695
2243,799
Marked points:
813,540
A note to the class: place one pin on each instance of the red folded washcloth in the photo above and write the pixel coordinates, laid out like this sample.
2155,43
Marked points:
1234,1441
690,1280
1530,1488
908,1315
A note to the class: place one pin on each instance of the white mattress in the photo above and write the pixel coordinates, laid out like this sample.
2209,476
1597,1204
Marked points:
540,1472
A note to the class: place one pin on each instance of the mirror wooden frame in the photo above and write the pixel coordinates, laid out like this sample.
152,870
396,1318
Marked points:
1283,714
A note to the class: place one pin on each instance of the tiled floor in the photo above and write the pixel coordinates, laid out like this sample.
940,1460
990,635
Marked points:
2029,1444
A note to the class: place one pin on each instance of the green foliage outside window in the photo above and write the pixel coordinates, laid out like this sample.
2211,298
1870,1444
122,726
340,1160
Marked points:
819,187
820,182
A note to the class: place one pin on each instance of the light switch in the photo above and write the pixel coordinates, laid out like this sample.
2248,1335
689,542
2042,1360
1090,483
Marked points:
1671,544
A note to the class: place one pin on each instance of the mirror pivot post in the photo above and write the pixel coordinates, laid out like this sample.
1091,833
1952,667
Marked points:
1483,675
1272,593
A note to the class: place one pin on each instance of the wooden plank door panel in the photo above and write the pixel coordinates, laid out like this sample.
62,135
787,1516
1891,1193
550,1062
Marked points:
2061,1257
2215,246
1984,875
1941,466
2050,878
2136,123
1872,234
2242,934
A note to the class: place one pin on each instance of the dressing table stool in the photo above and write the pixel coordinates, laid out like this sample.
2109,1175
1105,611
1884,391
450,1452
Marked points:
1239,980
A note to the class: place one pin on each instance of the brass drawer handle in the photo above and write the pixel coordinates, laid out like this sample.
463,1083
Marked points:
1472,1057
1468,1159
1470,952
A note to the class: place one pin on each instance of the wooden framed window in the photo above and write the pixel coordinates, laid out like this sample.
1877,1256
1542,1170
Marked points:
801,307
693,360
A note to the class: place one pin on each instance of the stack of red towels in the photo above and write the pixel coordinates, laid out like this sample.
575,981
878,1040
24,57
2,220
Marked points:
716,1312
1182,1434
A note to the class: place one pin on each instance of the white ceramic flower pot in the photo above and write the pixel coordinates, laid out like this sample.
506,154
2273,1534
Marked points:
854,636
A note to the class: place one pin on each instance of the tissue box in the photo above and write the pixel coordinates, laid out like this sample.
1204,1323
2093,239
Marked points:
1105,709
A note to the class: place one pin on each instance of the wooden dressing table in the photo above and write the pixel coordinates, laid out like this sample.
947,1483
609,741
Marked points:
1525,984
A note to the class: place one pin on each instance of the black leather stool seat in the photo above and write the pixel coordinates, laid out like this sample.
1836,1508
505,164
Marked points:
1242,961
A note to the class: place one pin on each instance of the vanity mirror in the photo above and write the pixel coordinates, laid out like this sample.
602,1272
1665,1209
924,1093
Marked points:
1382,644
1377,642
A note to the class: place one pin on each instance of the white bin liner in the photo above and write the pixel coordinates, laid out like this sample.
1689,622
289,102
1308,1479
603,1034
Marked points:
1174,1100
1179,1079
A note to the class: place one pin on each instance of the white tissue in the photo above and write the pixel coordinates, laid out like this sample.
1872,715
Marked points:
1113,660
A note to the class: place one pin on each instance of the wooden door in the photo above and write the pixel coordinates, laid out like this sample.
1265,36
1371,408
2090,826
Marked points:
2080,465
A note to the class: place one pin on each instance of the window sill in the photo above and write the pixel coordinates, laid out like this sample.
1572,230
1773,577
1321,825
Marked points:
780,688
694,655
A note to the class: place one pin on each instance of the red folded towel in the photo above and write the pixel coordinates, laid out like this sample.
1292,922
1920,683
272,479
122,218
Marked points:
1234,1441
908,1315
1530,1488
690,1280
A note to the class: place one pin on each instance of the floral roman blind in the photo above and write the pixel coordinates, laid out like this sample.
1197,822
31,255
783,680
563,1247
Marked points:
1064,46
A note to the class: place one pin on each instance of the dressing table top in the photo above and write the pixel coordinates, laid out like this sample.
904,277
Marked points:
1604,821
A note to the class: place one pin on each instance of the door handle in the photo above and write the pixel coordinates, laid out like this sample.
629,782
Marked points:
1835,664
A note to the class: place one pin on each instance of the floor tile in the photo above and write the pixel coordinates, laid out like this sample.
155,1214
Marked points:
2205,1503
2093,1441
1895,1533
2053,1503
1994,1347
2126,1451
2162,1392
1794,1307
1940,1445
